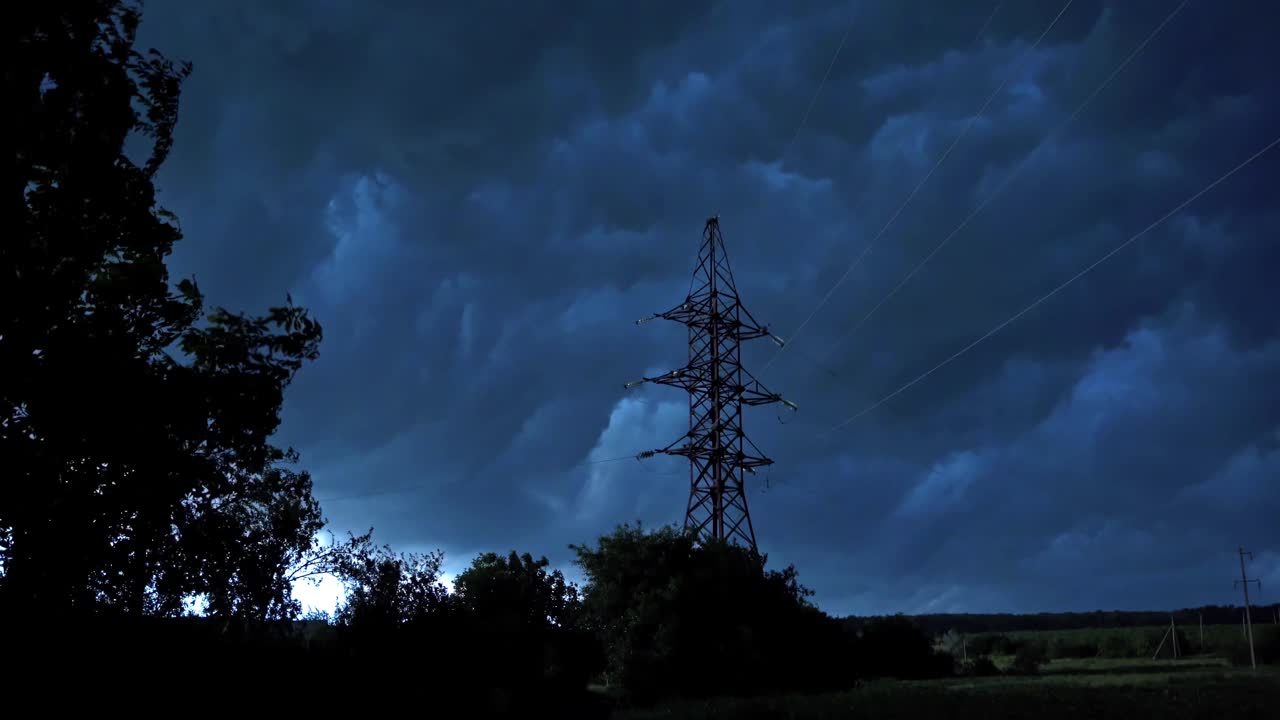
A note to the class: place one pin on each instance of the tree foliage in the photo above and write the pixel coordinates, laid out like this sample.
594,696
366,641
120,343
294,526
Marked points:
506,637
1030,655
387,591
679,618
895,646
971,623
135,424
517,592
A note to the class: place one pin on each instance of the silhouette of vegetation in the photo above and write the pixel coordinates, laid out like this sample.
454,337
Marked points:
1004,623
516,603
678,618
896,647
1030,656
1126,643
135,424
511,625
981,666
1266,646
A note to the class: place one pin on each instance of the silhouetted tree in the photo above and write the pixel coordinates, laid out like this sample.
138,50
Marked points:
387,591
134,425
894,646
517,592
953,642
679,618
507,638
1030,656
980,666
523,627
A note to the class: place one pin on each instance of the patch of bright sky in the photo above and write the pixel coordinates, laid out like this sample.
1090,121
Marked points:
327,594
635,424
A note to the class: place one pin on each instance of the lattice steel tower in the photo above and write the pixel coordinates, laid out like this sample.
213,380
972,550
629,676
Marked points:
718,450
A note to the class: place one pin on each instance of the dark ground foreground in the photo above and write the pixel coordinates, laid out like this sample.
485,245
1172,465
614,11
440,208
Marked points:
180,666
1125,690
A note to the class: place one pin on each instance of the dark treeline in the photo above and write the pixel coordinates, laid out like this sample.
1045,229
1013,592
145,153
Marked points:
937,624
661,617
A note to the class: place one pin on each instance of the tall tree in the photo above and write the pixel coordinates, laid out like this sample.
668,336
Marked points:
517,592
136,466
678,617
385,590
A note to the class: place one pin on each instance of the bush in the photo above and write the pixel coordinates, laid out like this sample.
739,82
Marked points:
991,645
980,666
680,619
1115,645
1266,647
1066,647
896,647
1030,656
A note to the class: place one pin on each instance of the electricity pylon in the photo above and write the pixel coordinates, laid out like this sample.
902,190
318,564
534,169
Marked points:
719,452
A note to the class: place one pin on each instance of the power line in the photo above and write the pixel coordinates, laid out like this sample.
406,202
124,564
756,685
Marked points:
1008,179
858,260
1059,288
987,24
818,362
804,119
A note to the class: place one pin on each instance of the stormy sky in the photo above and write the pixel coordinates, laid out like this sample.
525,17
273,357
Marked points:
478,199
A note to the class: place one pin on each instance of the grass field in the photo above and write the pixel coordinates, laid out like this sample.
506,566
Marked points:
1200,688
1214,635
1134,642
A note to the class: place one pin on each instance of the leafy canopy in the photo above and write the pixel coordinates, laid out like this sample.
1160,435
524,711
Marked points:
135,425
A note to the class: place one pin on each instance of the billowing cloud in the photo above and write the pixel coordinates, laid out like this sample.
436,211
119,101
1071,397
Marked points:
477,201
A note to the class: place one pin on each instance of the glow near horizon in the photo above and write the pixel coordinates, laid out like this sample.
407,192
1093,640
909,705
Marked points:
328,593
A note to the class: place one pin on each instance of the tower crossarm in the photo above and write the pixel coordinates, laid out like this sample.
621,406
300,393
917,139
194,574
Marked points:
693,379
689,378
724,456
697,445
754,393
697,313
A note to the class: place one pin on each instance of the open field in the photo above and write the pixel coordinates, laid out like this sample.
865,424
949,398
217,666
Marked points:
1227,641
1214,635
1100,688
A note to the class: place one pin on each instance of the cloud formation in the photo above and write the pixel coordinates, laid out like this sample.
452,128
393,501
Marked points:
477,201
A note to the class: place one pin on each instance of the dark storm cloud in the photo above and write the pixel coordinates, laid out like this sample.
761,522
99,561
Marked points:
478,201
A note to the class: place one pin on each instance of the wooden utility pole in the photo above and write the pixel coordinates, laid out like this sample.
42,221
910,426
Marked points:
1173,629
1159,647
1248,622
1201,633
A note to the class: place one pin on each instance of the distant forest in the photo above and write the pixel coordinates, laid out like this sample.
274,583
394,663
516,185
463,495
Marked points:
1007,622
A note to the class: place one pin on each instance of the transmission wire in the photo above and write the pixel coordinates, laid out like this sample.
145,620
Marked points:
1057,289
870,245
1009,178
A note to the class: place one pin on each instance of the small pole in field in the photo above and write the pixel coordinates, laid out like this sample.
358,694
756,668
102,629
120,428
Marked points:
1244,583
